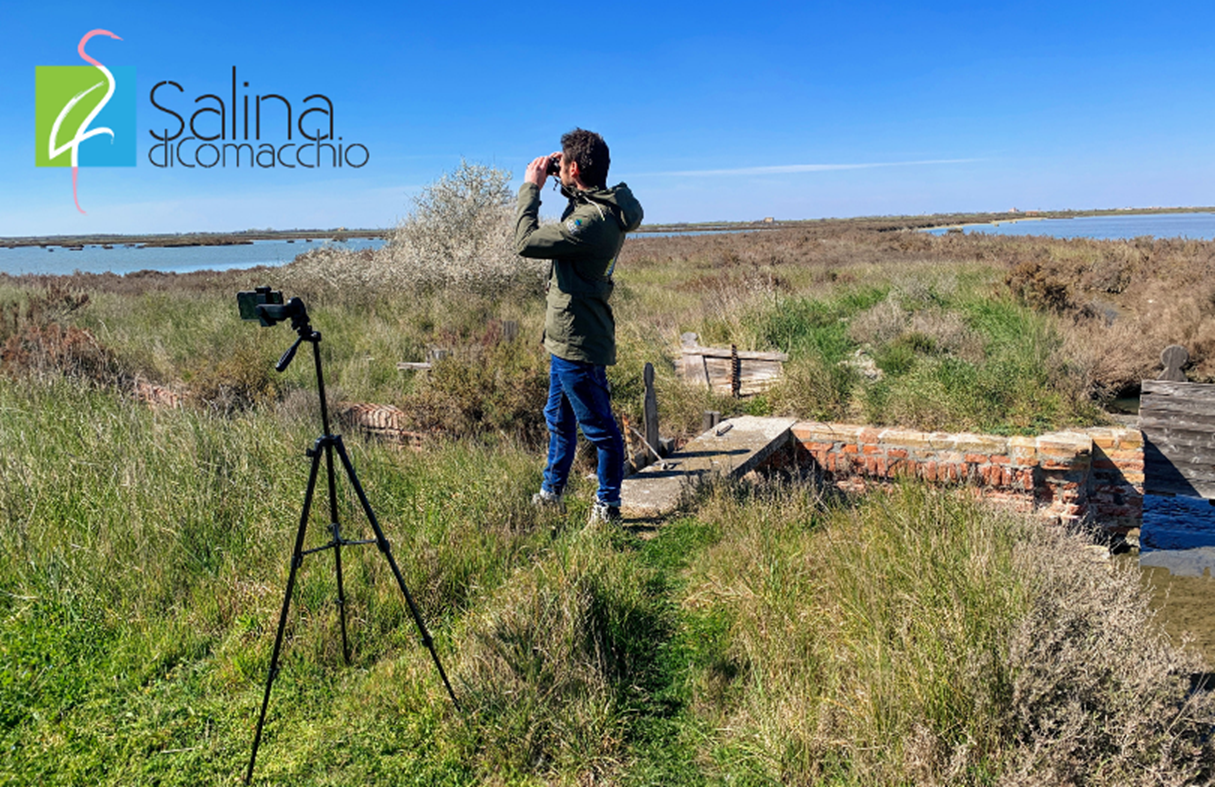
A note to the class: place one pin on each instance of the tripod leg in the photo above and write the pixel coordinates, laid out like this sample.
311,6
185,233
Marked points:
384,547
336,529
297,558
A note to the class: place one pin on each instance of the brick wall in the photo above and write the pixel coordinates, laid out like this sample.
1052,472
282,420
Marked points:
1116,483
1067,477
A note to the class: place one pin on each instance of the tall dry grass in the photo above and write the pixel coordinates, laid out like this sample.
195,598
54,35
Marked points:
920,638
766,636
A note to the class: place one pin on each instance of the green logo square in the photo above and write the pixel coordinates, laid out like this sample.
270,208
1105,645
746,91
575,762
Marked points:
84,116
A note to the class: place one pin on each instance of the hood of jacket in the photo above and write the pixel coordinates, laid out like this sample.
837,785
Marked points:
618,198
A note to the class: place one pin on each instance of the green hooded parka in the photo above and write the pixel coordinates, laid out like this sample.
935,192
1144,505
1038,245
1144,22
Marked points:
578,321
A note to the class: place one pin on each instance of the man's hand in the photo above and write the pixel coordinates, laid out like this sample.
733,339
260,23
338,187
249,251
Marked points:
537,171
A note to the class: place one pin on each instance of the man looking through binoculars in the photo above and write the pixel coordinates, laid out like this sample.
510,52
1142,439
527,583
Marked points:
579,328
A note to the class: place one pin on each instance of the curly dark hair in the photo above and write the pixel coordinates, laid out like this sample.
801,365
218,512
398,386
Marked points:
591,154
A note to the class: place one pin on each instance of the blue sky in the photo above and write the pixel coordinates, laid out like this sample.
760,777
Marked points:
712,110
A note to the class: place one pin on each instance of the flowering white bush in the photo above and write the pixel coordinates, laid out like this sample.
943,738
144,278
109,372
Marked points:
459,236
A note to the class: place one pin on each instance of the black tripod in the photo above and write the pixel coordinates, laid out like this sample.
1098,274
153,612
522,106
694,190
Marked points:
326,445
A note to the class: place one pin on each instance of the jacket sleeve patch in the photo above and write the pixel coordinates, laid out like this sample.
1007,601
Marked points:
574,226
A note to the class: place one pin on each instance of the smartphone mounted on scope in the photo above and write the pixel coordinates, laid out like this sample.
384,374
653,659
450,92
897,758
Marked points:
248,302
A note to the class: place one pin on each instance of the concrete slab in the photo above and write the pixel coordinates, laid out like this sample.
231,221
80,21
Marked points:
731,449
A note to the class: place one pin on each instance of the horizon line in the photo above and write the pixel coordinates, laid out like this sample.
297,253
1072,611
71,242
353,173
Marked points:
784,169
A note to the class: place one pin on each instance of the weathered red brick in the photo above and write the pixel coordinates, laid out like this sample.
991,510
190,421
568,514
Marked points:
896,453
1000,459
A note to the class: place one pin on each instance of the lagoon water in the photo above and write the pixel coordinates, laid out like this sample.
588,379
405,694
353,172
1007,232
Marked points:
1195,226
58,260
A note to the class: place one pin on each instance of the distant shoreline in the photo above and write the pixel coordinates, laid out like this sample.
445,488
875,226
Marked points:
171,240
916,222
879,223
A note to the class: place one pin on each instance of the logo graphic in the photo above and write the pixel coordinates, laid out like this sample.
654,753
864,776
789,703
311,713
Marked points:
84,115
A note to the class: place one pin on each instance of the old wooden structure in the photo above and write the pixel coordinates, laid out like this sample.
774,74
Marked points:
1178,424
728,370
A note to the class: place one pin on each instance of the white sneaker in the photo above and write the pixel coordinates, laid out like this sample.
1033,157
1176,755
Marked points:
547,499
608,515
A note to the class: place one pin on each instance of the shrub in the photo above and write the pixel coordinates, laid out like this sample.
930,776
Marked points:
922,638
35,340
459,237
484,389
1099,694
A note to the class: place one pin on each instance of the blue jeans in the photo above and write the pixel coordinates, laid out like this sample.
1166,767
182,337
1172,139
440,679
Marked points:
578,396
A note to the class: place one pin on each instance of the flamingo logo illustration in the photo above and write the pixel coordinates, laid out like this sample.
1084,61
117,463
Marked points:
81,84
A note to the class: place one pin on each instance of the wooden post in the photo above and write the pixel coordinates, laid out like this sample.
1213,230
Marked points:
735,372
1172,359
651,407
510,330
711,419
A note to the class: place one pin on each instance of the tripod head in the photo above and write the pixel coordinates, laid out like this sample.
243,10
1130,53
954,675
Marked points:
267,307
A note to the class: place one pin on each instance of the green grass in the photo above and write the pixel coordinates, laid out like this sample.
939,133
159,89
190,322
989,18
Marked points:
768,634
951,358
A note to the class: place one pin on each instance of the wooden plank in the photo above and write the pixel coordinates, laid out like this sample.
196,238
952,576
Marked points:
1163,476
1178,488
1178,424
1169,385
1202,411
1164,418
1189,390
1183,440
1180,474
1198,461
1186,429
746,355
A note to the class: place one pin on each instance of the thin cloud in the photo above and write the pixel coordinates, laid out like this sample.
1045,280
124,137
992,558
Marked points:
785,169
